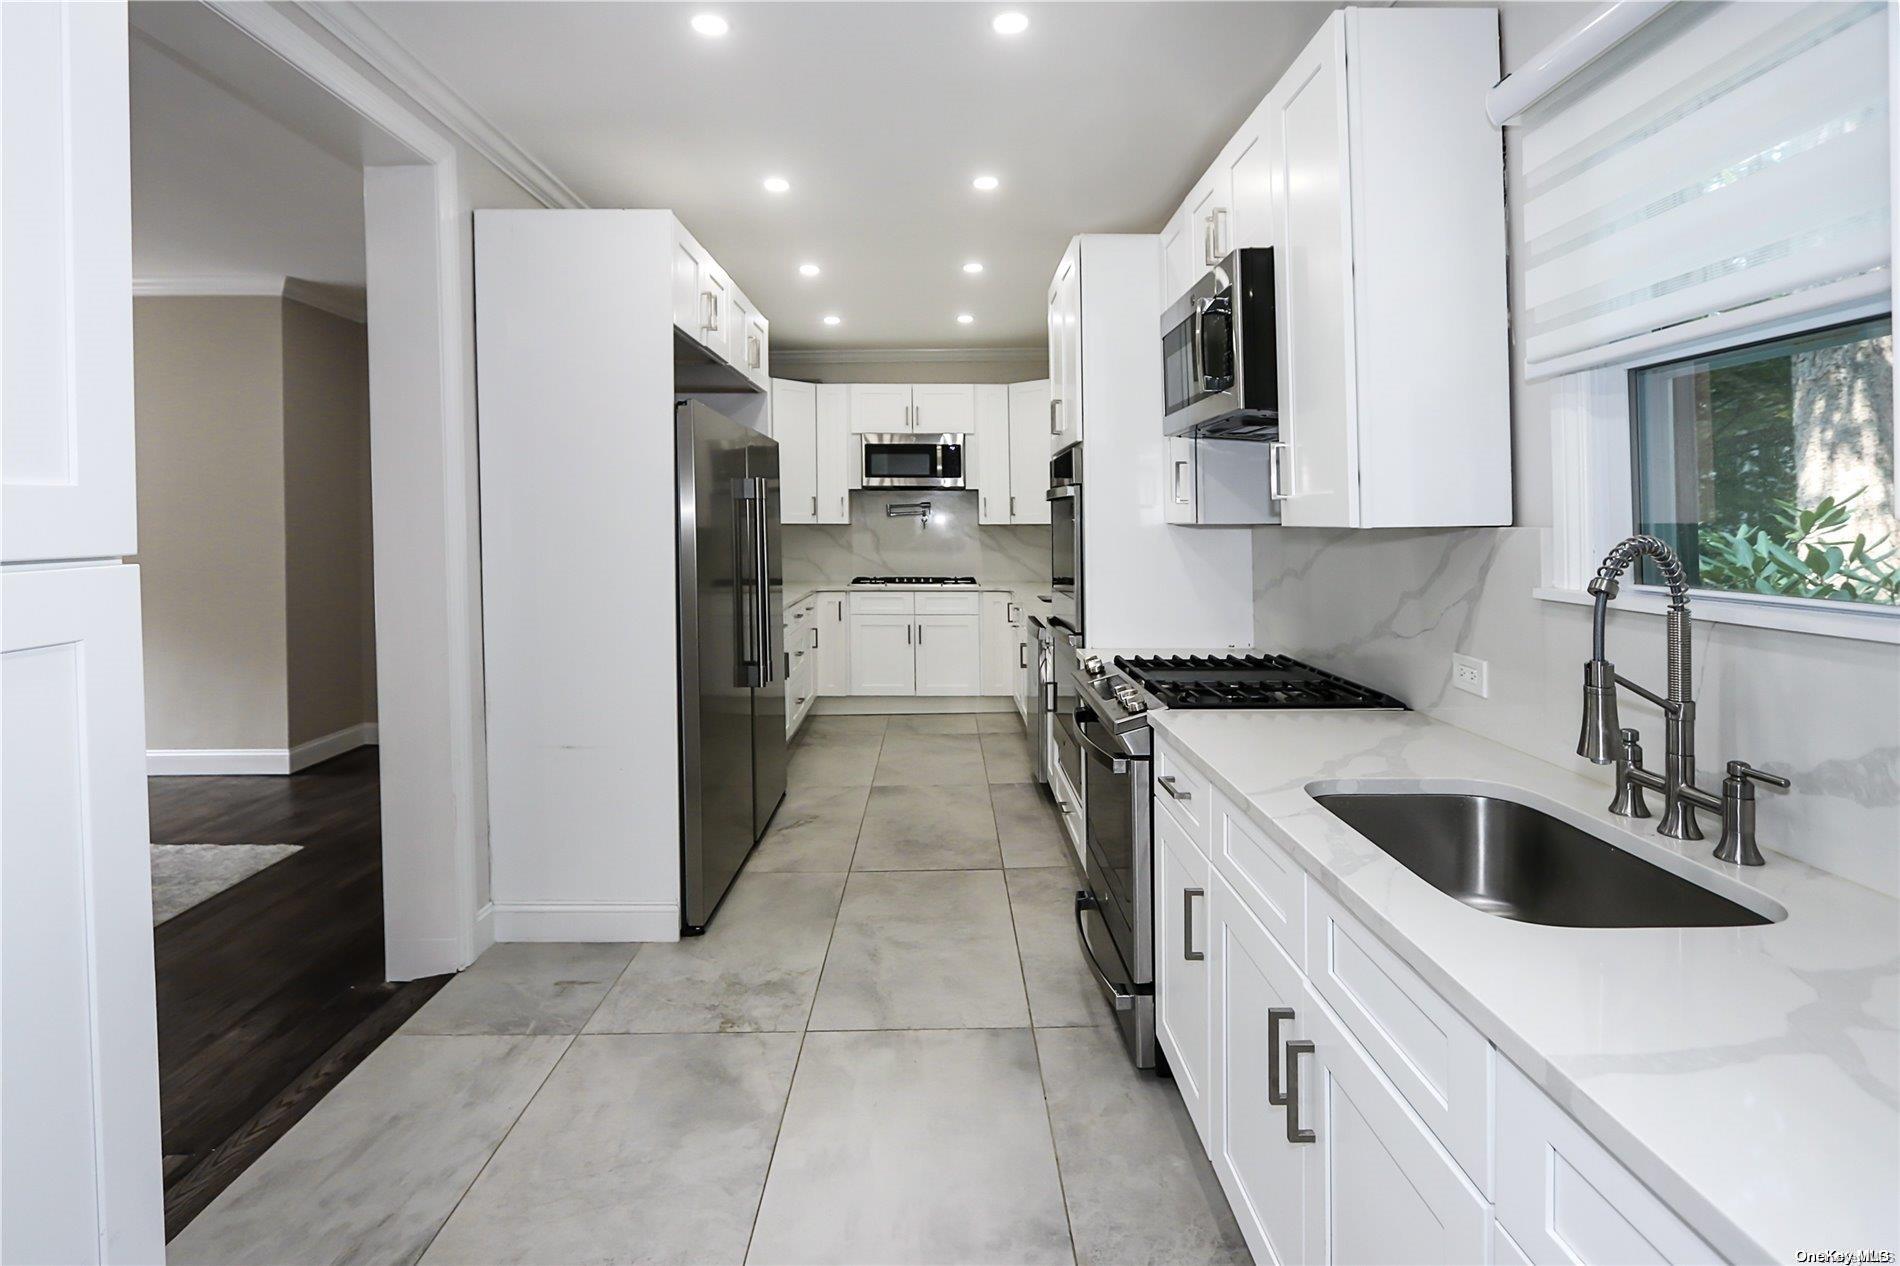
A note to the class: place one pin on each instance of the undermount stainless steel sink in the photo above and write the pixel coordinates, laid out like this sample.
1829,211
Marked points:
1517,862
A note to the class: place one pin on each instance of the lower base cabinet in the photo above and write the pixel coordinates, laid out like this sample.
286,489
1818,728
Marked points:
1182,1001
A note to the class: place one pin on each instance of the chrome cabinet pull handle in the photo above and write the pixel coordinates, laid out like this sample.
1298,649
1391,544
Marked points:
814,507
1276,1016
1188,951
1275,490
1012,505
1055,410
1294,1134
1022,654
1167,785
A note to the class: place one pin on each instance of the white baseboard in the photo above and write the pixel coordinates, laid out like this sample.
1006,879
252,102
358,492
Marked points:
586,921
206,761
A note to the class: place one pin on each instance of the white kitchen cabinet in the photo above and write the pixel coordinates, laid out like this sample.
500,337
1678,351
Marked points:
795,427
1248,158
1387,1191
837,453
990,438
1020,684
1217,483
1065,350
1181,939
1564,1199
746,337
1210,219
709,308
801,662
1260,1003
943,408
880,407
1390,273
1177,256
834,643
999,670
883,654
689,305
1029,451
949,656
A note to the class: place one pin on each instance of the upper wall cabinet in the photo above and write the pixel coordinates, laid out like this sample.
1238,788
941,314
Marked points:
880,407
947,408
1065,350
716,315
810,421
1373,173
1011,461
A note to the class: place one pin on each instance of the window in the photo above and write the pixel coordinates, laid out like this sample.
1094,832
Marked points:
1770,468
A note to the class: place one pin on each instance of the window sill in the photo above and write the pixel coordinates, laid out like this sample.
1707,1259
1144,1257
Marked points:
1813,616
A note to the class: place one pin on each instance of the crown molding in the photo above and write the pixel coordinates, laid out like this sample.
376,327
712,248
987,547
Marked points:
348,302
357,31
799,356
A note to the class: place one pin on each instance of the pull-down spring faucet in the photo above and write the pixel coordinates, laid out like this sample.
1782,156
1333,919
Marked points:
1603,741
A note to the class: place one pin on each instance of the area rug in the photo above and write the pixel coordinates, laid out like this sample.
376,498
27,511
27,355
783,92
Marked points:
185,874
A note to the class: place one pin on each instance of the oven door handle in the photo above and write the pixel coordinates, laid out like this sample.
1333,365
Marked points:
1117,761
1122,1000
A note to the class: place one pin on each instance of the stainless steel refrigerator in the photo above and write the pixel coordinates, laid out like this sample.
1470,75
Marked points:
732,653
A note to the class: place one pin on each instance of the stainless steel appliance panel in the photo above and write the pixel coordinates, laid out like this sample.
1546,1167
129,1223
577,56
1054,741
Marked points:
1219,356
1067,608
770,755
908,459
1041,702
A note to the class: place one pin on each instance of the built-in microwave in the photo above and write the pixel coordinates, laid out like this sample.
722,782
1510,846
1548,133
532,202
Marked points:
1219,363
909,459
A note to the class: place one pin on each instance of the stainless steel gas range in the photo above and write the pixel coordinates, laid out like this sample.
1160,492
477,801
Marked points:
1105,746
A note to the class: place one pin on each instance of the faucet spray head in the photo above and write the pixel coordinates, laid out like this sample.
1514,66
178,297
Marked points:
1601,739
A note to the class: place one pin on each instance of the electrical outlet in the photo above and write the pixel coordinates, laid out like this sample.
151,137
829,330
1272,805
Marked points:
1471,674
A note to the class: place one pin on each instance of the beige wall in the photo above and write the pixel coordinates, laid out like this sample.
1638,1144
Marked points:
330,611
253,491
209,404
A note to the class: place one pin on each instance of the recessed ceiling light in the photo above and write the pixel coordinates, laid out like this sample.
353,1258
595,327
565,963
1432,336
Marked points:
964,318
985,183
973,267
808,270
1010,23
833,320
777,184
710,25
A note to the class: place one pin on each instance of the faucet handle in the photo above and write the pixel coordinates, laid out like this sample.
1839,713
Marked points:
1740,770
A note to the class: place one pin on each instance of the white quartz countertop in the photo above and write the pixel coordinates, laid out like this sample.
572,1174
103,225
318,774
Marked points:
1027,593
1750,1076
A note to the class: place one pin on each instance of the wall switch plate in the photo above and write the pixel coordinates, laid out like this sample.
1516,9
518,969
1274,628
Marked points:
1471,674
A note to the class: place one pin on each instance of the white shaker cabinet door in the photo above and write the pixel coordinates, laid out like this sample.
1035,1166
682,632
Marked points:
834,644
66,449
880,407
79,1157
949,655
1182,939
1389,1191
1313,276
795,427
992,453
883,655
1029,451
943,408
837,452
999,670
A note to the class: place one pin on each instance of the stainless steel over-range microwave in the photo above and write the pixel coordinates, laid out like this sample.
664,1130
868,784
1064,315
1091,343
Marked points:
911,459
1219,362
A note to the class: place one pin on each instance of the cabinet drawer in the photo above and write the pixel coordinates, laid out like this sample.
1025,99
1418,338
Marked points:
1438,1061
881,604
1181,790
946,603
1265,876
1562,1198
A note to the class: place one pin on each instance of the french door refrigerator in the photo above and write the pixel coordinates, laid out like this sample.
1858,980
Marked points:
732,653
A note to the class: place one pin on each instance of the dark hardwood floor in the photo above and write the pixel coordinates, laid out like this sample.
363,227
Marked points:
273,989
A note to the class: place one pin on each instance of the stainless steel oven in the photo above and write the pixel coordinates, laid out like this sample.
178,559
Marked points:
1114,911
1219,363
1065,540
906,459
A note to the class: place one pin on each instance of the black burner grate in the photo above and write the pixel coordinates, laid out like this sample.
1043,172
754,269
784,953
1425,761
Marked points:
913,580
1247,681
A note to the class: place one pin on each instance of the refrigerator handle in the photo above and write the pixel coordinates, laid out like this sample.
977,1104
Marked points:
742,546
762,588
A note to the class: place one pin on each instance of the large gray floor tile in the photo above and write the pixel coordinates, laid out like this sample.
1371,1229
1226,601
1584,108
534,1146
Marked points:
647,1148
928,828
914,1147
999,723
932,723
525,988
374,1170
834,756
842,723
816,829
1138,1184
931,760
1027,827
1006,758
1062,989
922,949
755,968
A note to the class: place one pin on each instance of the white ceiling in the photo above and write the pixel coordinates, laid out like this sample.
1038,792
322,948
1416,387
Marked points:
241,169
879,114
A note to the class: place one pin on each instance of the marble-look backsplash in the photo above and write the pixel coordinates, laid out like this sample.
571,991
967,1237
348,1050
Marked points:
1389,608
951,544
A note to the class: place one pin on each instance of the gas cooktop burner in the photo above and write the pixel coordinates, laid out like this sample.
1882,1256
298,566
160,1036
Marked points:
913,580
1246,681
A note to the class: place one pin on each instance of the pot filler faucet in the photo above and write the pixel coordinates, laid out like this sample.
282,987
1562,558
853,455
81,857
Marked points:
1604,742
